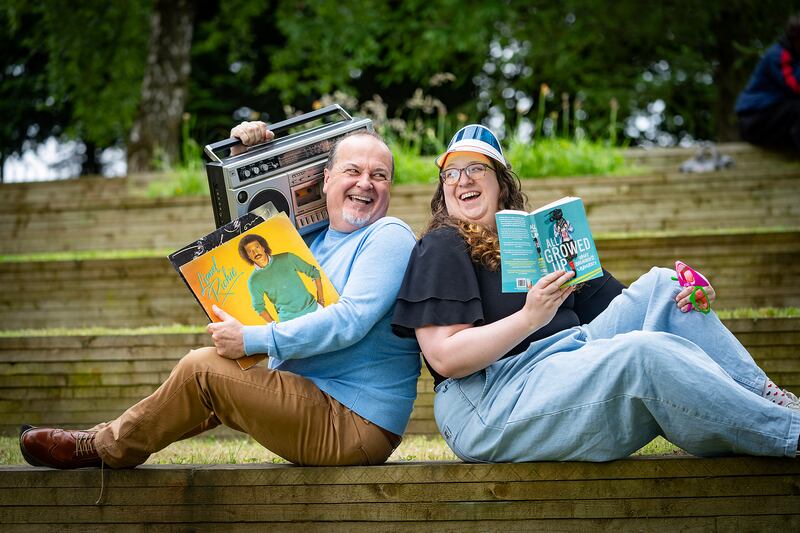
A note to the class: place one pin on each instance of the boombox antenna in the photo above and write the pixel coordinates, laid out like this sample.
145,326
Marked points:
278,128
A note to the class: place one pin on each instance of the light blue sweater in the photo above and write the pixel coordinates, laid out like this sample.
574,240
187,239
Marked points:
348,349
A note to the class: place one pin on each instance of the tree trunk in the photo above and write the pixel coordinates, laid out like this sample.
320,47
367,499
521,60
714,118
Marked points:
155,134
730,76
90,165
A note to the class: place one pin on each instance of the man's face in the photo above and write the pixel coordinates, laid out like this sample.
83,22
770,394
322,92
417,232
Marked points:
357,188
256,253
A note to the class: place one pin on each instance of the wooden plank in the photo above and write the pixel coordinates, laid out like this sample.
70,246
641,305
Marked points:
642,492
554,490
732,199
130,393
56,378
646,507
248,475
139,292
667,525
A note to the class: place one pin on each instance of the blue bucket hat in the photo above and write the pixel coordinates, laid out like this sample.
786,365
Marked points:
474,138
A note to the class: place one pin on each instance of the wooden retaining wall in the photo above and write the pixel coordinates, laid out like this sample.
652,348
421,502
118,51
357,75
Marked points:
669,159
642,494
78,381
748,270
96,215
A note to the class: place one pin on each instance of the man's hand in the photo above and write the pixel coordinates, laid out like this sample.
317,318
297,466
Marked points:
250,133
228,335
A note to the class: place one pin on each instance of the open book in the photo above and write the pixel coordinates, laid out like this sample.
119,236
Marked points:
258,269
553,237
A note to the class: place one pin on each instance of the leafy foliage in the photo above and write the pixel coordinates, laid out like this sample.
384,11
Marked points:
95,54
75,69
695,56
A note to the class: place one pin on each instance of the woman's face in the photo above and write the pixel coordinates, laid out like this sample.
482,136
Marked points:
472,200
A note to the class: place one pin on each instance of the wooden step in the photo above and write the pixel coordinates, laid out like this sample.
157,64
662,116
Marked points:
78,381
747,270
658,493
743,154
105,214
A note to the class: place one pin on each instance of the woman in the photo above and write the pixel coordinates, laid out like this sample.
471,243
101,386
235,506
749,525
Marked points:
587,374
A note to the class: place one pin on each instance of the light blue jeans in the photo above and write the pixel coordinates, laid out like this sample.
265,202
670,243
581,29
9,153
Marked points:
601,391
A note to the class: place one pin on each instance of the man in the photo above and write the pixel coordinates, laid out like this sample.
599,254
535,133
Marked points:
769,106
276,277
341,385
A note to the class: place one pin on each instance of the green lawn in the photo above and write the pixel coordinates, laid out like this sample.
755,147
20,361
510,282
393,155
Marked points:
239,450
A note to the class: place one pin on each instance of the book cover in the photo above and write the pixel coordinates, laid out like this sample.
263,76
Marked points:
258,269
554,237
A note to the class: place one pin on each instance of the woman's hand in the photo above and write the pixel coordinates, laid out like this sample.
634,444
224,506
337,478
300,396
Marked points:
458,350
682,299
250,133
546,296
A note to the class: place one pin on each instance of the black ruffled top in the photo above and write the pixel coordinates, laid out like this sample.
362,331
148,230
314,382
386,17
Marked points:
442,286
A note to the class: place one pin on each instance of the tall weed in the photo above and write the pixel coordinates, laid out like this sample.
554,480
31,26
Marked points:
187,178
563,157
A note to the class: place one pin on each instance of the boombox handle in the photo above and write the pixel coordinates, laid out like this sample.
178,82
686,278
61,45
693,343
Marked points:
279,127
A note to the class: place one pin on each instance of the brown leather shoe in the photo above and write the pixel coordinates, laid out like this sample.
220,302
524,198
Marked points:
58,448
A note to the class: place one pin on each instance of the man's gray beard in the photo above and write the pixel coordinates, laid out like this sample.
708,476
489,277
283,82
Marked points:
354,220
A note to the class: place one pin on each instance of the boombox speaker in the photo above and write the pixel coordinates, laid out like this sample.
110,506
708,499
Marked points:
287,171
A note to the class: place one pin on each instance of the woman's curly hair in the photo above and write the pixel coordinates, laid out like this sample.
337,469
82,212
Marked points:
483,243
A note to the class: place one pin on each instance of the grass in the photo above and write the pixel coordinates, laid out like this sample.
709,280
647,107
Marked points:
762,312
100,255
546,157
561,157
84,255
244,450
752,313
412,168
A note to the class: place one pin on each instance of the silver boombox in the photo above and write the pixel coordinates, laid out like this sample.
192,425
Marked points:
287,171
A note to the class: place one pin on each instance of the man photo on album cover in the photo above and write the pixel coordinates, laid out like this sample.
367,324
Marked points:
276,277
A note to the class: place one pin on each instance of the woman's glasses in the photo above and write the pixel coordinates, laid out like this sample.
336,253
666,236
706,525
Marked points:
688,277
474,171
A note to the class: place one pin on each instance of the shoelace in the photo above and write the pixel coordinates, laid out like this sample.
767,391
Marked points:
84,444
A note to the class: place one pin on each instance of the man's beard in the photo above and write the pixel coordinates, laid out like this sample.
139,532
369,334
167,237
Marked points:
354,220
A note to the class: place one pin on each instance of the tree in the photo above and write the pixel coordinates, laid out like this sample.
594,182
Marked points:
93,54
232,49
156,130
693,55
28,110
